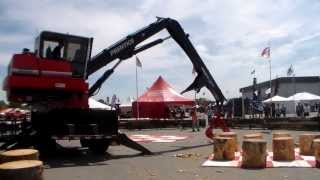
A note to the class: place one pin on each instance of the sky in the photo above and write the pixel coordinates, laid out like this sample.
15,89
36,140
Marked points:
228,35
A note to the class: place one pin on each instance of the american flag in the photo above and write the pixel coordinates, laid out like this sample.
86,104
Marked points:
290,71
266,52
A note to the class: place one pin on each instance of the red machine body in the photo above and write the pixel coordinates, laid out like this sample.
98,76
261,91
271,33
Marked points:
46,81
27,73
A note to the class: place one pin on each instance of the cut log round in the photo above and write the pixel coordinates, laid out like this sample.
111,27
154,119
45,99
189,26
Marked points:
280,134
253,136
232,135
305,144
254,153
19,154
224,148
24,169
283,149
316,146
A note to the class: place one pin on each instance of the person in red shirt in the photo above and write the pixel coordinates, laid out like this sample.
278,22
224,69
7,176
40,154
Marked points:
216,121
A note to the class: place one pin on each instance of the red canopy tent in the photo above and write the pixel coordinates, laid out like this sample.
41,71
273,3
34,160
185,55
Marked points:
156,101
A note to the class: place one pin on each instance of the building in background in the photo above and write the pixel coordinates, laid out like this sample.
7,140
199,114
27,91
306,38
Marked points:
283,86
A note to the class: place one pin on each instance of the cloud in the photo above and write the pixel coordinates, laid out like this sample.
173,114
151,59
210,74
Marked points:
229,36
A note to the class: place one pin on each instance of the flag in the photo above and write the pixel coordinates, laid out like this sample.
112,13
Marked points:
290,71
194,72
266,52
138,62
253,72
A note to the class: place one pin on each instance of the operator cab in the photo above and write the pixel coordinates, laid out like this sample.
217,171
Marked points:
75,49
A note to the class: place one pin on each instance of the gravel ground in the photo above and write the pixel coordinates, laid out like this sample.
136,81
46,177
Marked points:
123,163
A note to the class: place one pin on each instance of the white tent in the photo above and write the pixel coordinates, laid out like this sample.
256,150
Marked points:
276,99
93,104
126,105
280,101
303,96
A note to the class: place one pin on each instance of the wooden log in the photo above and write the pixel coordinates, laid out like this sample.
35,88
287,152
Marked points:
223,148
283,149
254,153
23,169
231,135
316,147
253,136
305,144
280,134
19,154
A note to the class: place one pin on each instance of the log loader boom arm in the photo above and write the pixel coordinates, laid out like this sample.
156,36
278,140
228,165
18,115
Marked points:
127,47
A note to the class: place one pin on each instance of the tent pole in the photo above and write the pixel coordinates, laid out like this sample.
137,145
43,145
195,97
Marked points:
137,92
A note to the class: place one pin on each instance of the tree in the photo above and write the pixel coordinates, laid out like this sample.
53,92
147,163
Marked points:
3,104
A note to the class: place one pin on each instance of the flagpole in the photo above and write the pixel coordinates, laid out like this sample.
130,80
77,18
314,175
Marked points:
137,91
270,76
269,55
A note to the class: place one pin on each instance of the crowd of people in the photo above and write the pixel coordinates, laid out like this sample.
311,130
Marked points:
304,109
280,110
272,110
207,113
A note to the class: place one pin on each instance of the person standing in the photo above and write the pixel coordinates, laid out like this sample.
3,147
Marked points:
195,120
283,110
56,53
217,121
306,110
210,115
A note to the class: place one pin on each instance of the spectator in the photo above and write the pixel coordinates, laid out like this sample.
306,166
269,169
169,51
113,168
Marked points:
283,110
273,110
195,121
278,113
306,110
300,110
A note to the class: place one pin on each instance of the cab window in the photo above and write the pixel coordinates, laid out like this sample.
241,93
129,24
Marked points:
48,47
68,48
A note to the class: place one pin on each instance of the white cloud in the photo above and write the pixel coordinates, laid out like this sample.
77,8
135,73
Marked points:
229,36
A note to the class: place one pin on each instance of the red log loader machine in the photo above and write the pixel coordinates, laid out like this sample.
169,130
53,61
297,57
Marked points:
53,81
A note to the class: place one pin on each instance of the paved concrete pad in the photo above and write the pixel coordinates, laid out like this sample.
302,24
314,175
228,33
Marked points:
124,163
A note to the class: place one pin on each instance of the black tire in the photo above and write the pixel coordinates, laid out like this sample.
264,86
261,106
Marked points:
46,145
84,142
98,146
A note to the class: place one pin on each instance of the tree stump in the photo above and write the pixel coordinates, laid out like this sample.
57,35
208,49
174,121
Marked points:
283,149
232,135
224,148
316,146
305,144
19,154
280,134
21,170
253,136
254,153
